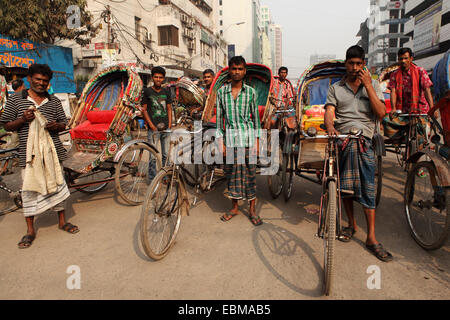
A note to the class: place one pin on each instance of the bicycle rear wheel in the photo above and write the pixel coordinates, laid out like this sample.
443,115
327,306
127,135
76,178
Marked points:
329,237
161,215
275,181
426,204
8,202
91,178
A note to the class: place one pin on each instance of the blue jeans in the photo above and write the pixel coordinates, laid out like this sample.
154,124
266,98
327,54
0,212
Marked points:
153,138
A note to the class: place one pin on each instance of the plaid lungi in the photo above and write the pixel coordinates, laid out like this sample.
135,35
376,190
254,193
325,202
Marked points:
357,170
241,174
397,128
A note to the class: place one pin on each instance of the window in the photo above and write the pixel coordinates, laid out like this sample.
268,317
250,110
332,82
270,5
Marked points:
220,12
220,2
168,36
221,22
206,50
137,27
221,32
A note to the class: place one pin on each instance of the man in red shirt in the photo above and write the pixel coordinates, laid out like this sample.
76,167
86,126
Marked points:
283,92
410,86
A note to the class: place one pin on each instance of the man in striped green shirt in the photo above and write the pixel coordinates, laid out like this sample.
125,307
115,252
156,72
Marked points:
238,132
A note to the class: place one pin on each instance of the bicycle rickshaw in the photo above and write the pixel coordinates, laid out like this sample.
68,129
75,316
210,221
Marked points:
404,132
167,200
103,148
426,196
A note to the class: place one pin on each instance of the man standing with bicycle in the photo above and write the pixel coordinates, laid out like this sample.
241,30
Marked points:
238,132
157,112
357,102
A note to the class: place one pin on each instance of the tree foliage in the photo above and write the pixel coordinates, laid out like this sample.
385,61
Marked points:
45,21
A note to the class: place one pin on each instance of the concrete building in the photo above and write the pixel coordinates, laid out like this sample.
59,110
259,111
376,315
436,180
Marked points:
179,35
386,32
428,30
268,52
363,33
276,39
317,58
239,23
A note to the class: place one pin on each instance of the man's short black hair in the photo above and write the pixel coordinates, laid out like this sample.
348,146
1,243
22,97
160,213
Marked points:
402,51
208,71
237,60
159,70
283,69
355,52
16,84
43,69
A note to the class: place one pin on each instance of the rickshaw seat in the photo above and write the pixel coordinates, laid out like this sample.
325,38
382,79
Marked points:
95,127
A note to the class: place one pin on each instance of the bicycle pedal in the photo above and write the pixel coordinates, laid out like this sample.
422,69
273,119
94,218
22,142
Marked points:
347,192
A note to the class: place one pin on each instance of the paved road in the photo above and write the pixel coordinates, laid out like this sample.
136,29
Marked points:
282,259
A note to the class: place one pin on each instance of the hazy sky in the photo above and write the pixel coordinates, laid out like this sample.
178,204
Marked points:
316,26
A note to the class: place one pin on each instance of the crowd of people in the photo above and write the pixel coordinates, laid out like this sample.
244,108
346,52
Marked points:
356,101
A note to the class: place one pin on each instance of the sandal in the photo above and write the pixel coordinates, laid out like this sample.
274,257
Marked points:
70,228
26,241
346,234
379,252
228,216
256,220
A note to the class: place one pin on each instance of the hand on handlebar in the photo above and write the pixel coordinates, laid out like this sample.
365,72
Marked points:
332,132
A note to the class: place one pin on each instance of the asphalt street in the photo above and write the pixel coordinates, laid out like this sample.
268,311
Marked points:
211,259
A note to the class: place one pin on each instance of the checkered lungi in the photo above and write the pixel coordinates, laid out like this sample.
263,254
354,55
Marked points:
357,170
241,174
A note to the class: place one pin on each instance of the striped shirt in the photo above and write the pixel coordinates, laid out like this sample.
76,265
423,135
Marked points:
51,108
283,92
237,119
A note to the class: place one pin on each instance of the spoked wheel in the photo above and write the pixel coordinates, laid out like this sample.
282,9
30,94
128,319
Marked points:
92,178
400,155
131,176
329,236
275,181
378,178
412,149
161,216
288,175
427,206
9,202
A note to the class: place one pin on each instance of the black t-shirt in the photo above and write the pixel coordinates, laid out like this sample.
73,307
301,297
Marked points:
157,105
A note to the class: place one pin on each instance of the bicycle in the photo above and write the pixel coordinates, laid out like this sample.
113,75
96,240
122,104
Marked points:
10,200
167,198
426,194
287,131
408,144
330,214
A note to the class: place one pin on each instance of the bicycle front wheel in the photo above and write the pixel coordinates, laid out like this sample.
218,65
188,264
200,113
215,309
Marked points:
329,237
427,206
161,215
131,177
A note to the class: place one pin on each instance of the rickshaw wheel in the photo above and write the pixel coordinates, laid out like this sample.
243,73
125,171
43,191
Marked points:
160,215
131,177
275,181
92,177
426,204
287,175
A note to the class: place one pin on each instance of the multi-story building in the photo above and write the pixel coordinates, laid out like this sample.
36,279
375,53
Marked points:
429,30
179,35
386,32
239,24
363,33
268,52
317,58
276,39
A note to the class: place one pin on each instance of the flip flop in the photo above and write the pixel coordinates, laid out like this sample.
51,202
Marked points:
26,241
346,234
256,220
379,252
70,228
228,216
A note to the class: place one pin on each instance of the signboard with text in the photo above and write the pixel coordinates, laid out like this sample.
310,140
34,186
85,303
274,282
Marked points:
427,29
395,5
23,53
